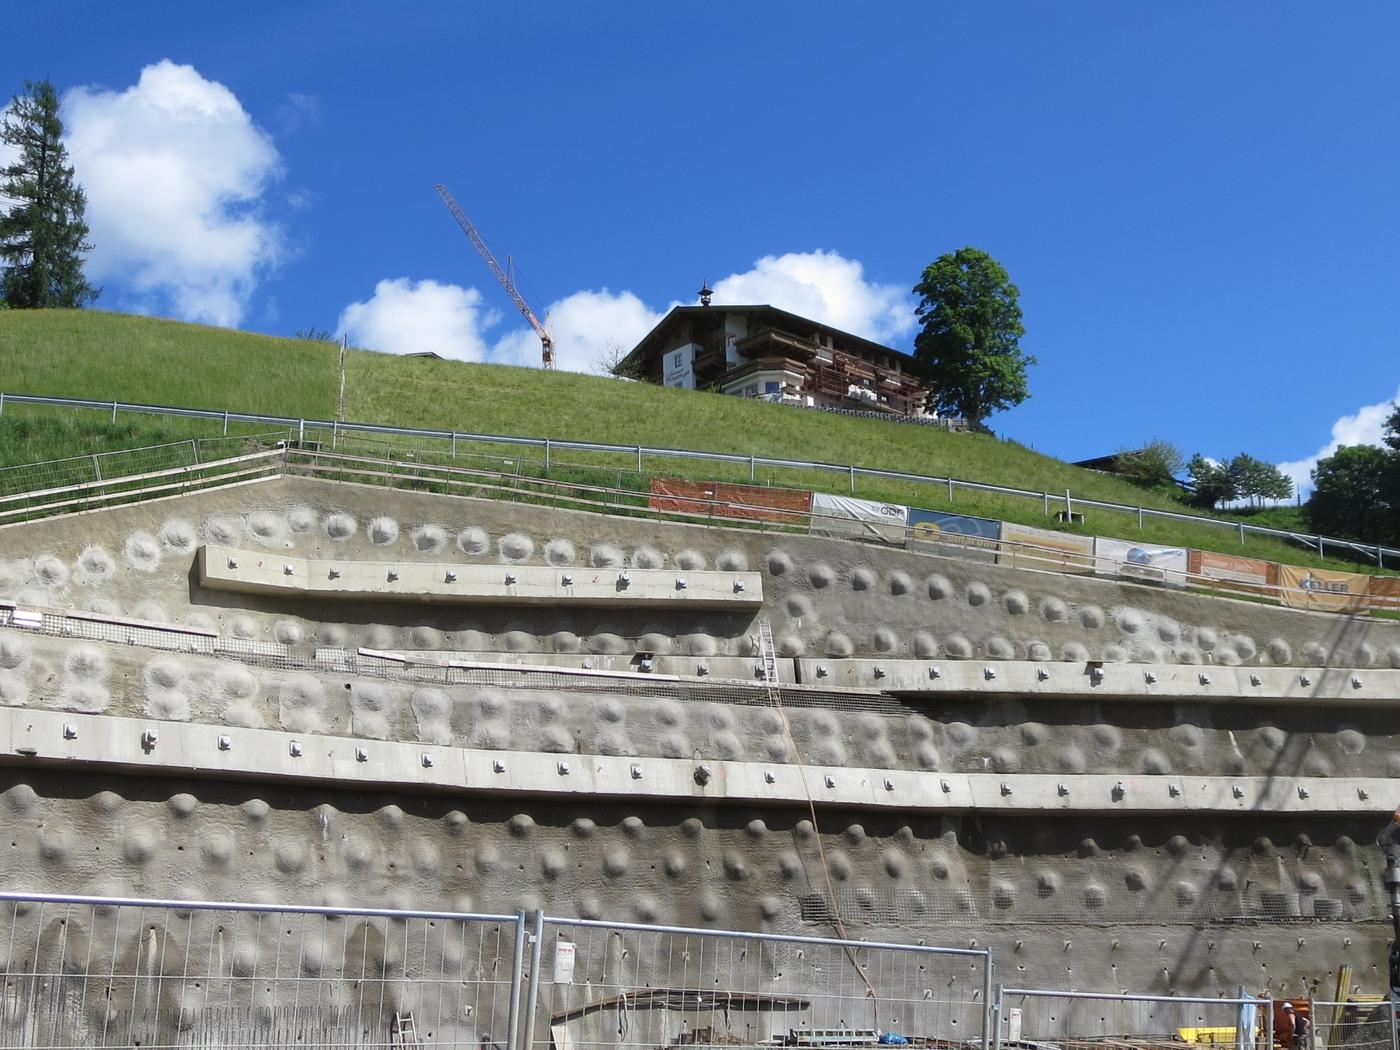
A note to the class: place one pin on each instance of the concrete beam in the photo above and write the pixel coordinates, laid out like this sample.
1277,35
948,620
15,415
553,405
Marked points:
264,572
146,747
1027,680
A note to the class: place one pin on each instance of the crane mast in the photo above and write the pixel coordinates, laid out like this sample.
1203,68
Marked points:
546,343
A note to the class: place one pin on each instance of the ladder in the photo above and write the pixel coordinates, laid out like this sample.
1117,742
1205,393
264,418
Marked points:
769,657
403,1032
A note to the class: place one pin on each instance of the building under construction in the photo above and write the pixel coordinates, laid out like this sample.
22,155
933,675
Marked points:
761,351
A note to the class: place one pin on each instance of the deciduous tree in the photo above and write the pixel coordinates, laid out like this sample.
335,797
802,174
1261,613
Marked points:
969,349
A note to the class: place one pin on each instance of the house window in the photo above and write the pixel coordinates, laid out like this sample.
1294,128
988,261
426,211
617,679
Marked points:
751,390
770,387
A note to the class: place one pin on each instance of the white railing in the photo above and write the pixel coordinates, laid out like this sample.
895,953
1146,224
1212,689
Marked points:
1067,500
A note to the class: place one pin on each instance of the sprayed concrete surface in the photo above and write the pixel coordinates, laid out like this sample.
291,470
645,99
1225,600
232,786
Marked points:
1191,901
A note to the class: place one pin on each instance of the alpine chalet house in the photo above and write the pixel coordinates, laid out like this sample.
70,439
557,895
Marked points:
764,352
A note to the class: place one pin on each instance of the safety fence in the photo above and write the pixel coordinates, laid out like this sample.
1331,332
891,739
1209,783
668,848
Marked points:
333,431
621,984
733,505
889,525
1356,1024
97,971
1026,1017
83,971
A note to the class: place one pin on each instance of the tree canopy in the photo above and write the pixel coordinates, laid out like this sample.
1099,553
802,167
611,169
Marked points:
969,349
43,234
1356,490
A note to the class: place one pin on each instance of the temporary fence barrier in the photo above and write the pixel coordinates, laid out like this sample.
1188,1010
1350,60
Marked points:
82,971
101,971
1028,1017
600,984
334,428
1357,1024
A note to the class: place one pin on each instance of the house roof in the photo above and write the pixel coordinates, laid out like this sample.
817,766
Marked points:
651,342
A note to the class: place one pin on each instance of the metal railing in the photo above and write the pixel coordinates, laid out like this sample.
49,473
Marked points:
1067,499
624,984
1026,1017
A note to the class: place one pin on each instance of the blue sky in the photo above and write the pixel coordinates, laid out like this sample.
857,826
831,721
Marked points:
1197,201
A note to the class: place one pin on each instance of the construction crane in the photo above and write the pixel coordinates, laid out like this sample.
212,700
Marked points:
546,343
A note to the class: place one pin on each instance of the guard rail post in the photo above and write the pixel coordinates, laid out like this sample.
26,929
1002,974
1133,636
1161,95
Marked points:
989,1015
531,1000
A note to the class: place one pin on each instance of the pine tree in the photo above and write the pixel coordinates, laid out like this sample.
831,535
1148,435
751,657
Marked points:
42,232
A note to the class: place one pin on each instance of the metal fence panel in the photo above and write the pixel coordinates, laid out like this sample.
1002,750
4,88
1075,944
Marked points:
81,972
1026,1017
624,985
1359,1024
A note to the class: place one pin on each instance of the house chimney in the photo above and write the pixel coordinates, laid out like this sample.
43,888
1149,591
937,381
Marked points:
705,292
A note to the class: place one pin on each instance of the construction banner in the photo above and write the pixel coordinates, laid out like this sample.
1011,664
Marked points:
858,519
1384,593
1322,590
721,500
1242,574
1140,561
956,535
1024,547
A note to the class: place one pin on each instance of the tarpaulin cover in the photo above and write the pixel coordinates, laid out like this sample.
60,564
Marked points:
1245,574
852,518
1324,590
1140,561
957,534
1025,547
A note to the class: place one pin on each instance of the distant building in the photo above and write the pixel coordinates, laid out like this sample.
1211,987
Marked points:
763,352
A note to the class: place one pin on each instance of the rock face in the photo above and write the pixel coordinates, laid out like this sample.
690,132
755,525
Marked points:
1090,777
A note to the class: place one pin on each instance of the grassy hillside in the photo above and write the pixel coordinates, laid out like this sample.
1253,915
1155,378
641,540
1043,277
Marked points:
90,354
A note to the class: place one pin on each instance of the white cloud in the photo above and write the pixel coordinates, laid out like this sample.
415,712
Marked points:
174,170
826,287
1363,427
404,317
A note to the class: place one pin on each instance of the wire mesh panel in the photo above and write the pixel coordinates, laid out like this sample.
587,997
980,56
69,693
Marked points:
1027,1017
1359,1024
624,985
82,972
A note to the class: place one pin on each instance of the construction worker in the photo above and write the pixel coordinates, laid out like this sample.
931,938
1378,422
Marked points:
1294,1030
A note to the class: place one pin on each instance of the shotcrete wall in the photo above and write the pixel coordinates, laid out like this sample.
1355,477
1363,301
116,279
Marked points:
1196,900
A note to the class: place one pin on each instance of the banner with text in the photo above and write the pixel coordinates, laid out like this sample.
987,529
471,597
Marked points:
1024,547
1243,574
1384,593
862,519
956,535
1323,590
1140,561
721,500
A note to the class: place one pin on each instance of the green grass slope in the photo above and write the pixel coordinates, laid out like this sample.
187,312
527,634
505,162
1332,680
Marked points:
91,354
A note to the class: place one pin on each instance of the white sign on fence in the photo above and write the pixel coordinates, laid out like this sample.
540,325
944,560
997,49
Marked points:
564,952
852,518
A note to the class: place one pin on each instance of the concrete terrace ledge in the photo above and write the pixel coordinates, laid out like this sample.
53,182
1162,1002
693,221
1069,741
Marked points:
80,743
261,572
